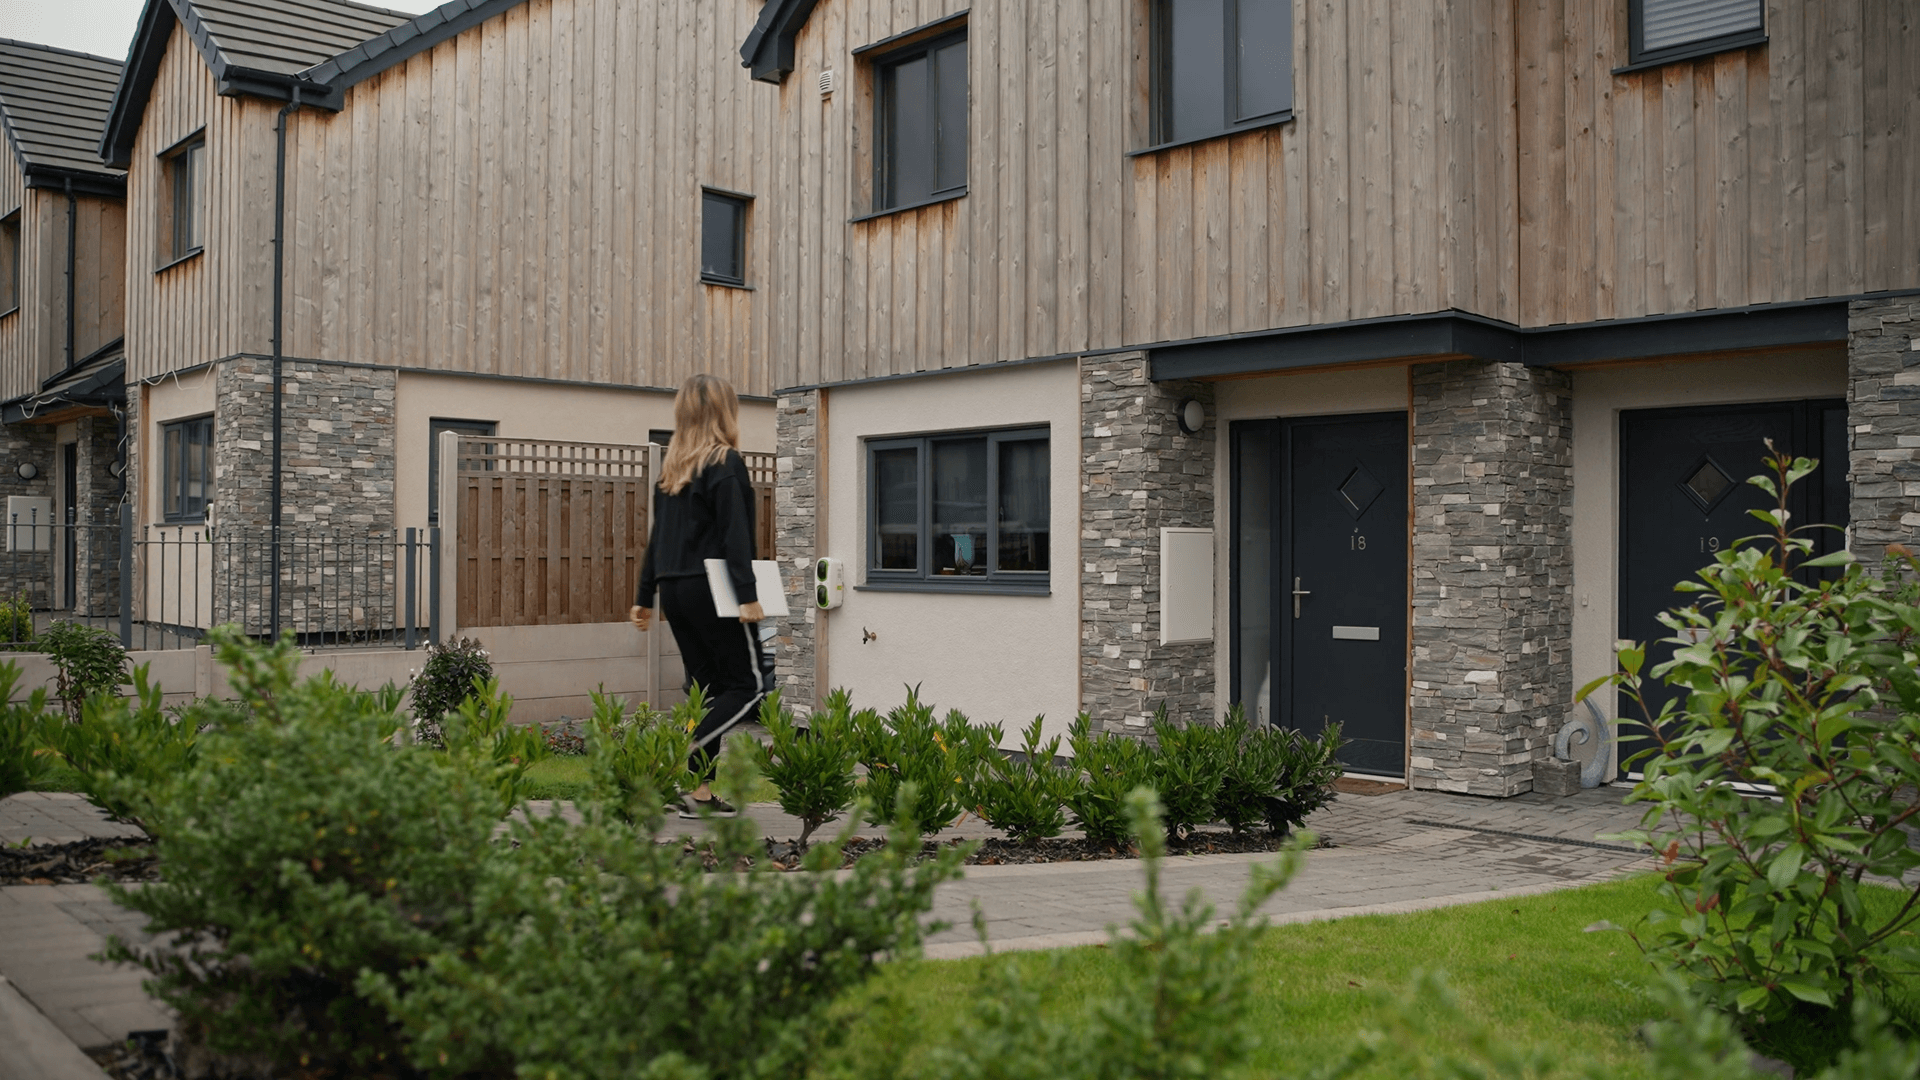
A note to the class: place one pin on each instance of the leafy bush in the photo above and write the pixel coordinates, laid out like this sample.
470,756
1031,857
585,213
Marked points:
1187,770
453,669
811,768
480,730
1305,769
1806,686
124,749
1026,798
938,758
23,734
1112,767
16,621
596,956
301,852
639,762
88,661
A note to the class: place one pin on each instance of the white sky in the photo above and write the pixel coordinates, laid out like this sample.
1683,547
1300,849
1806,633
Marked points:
102,27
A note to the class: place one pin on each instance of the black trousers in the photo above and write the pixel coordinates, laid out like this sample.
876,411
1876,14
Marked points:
722,656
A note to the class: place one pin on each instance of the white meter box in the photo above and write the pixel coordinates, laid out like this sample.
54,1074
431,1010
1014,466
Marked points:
29,523
1186,586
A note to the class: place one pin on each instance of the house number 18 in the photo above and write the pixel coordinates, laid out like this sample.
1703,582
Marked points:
1356,542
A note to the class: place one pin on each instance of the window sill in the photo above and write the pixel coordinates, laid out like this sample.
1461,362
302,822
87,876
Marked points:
723,283
960,587
935,201
164,267
1693,52
1275,121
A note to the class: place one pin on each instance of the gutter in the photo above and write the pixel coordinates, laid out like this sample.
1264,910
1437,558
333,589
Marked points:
279,330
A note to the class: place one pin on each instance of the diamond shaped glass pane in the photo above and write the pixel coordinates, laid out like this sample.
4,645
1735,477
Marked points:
1359,490
1707,484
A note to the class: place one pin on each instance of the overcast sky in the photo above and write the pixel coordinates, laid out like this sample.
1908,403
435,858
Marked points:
101,27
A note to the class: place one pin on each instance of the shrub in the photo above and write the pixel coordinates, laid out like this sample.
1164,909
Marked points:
639,763
1187,771
1026,798
88,661
938,758
1805,686
16,621
1112,766
481,730
24,725
1305,771
596,956
125,749
299,852
452,671
811,768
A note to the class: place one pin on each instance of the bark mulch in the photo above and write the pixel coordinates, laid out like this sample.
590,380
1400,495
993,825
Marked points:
994,851
80,862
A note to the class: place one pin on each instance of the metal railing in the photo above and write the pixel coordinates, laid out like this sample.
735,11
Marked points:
162,586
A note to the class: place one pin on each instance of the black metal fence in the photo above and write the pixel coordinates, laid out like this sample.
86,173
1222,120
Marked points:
163,586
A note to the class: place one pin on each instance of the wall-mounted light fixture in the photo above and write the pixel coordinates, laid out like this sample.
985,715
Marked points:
117,469
27,470
1193,416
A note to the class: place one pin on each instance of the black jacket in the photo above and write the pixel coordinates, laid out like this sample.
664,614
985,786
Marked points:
711,518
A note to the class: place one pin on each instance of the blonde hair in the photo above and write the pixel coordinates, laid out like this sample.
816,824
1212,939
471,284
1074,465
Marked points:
706,424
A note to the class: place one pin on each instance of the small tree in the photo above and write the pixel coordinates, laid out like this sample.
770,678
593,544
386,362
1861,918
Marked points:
87,661
811,768
455,668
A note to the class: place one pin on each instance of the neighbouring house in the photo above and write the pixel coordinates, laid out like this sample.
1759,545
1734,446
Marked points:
62,292
1368,363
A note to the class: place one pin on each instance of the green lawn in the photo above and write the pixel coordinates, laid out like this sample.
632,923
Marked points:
1523,966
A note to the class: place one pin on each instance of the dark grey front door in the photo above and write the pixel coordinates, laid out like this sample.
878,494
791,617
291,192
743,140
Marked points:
1320,566
1684,496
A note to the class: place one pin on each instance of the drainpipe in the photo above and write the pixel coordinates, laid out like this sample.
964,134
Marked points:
73,248
279,326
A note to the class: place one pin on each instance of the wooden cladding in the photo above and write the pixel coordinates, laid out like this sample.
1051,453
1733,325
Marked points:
548,533
33,340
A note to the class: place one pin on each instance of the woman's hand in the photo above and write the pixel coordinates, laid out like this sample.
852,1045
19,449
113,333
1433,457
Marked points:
752,613
640,617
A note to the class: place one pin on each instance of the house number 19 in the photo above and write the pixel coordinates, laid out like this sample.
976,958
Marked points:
1356,542
1709,543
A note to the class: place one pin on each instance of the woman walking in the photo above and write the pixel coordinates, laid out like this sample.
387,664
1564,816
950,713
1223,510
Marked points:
704,510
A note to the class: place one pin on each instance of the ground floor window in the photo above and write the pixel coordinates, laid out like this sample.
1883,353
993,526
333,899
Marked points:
186,478
960,509
481,428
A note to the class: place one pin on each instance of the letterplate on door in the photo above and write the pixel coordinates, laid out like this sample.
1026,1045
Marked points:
1356,633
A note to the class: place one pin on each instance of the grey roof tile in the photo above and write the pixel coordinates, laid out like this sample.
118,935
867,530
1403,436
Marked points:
54,104
286,37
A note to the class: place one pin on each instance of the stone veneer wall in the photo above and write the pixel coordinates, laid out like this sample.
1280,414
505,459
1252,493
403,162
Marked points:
796,538
97,494
1883,417
1139,473
26,443
1492,586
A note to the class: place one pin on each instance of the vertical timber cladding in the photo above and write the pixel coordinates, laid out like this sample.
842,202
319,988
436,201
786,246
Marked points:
1139,473
1883,414
1492,582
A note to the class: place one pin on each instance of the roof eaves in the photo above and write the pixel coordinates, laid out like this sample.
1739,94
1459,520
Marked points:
136,82
768,50
403,42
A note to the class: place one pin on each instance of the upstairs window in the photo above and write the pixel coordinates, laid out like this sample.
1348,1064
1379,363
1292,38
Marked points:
484,429
182,202
186,472
723,238
963,510
1219,66
1663,30
920,97
10,263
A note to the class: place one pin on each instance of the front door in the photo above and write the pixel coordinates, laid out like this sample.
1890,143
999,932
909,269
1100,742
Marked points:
1684,496
1320,567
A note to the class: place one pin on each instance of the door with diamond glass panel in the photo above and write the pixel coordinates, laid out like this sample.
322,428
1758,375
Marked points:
1319,561
1684,496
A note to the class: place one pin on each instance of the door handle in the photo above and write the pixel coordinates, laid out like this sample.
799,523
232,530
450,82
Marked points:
1298,592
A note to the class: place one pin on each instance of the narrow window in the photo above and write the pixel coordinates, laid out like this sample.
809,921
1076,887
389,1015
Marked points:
1219,66
186,481
921,98
723,238
10,263
951,509
183,180
1660,30
477,428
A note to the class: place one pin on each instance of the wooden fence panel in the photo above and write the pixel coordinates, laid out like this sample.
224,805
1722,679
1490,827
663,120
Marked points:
554,532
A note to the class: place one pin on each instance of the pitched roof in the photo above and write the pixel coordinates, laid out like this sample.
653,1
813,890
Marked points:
271,48
53,105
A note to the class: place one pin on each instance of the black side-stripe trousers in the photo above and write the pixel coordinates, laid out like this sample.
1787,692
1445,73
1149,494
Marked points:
722,657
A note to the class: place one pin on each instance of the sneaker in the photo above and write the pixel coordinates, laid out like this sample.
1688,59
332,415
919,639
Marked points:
694,809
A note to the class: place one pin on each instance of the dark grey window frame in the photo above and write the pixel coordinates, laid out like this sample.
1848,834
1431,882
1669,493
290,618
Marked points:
885,139
921,579
13,223
176,505
1159,91
177,242
741,204
436,425
1639,59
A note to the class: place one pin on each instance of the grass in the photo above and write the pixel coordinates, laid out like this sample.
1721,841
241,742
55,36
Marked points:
569,777
1526,967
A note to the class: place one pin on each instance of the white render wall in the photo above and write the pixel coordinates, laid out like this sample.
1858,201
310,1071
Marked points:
995,658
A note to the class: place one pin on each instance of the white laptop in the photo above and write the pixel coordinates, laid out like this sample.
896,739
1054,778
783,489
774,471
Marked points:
766,579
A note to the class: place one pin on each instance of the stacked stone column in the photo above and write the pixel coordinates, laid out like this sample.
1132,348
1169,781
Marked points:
796,538
1139,473
1492,574
1883,413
